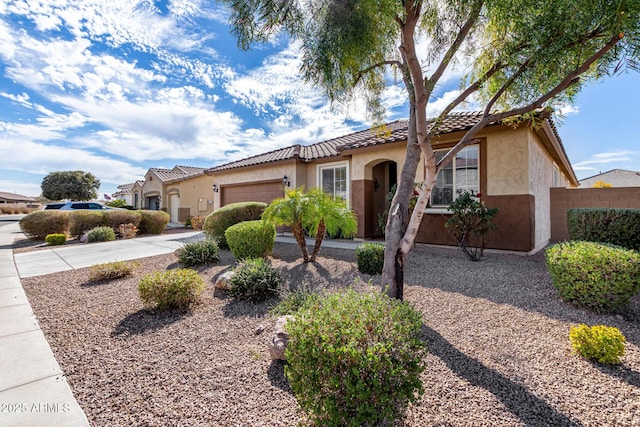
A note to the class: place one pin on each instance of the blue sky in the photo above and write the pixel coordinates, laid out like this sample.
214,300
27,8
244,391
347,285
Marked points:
116,87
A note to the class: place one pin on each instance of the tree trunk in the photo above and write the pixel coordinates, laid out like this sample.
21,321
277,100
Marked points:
322,229
298,233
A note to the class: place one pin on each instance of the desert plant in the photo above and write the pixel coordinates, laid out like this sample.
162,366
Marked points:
112,270
38,224
178,288
370,258
127,231
56,239
595,275
469,224
292,301
101,234
355,359
315,211
602,343
251,239
117,203
606,225
197,222
153,222
115,218
198,253
216,223
254,279
81,221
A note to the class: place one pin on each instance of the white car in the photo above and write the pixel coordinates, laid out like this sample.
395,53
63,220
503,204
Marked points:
73,206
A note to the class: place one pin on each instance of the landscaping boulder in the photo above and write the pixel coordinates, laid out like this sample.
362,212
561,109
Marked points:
278,343
224,280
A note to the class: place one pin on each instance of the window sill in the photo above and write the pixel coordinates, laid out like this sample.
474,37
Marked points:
436,211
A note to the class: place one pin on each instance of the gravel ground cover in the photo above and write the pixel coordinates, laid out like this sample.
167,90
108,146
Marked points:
499,353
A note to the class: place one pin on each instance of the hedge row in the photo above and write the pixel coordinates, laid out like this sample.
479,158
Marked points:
616,226
37,225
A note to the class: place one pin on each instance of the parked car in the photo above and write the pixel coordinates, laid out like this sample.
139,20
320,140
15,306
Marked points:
72,206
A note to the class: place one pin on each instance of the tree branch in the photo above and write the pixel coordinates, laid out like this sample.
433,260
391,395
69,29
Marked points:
430,83
374,66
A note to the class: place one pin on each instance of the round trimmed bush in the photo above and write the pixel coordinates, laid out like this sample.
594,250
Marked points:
595,275
251,239
111,270
255,280
355,359
153,222
101,234
602,343
198,253
37,225
178,288
370,258
82,221
217,222
56,239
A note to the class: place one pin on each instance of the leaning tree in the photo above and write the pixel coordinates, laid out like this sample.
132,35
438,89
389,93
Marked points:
518,60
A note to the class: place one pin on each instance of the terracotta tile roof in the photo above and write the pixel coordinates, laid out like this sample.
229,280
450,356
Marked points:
389,133
125,188
177,173
272,156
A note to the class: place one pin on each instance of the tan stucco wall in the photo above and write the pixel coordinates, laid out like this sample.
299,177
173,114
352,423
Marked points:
507,162
152,184
540,181
195,193
362,162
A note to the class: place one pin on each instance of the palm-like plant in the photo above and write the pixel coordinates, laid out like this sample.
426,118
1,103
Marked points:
314,211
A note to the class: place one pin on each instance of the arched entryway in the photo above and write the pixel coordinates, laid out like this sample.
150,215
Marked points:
384,177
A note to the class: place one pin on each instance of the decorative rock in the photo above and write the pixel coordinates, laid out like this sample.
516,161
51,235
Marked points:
259,330
278,343
223,281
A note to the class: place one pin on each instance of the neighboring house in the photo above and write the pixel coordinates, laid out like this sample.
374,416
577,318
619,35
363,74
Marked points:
513,169
616,177
16,200
178,191
125,192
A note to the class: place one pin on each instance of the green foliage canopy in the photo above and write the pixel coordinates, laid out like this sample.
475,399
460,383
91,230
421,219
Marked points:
72,185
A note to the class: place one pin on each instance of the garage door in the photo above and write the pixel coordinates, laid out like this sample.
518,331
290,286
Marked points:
255,192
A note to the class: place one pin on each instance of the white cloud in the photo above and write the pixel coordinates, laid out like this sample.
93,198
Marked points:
613,159
22,188
567,109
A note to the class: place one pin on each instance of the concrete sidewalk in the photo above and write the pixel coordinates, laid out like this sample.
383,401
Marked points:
33,389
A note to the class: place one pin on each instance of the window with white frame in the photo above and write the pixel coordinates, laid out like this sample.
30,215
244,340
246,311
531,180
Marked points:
334,179
461,174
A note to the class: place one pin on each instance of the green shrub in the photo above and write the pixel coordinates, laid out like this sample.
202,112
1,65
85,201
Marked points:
56,239
607,225
153,222
251,239
116,218
82,221
355,359
118,203
370,258
177,288
198,253
599,276
38,224
292,301
470,223
254,280
111,270
101,234
602,343
217,222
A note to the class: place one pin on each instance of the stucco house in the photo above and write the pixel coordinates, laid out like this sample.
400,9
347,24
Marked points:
615,177
183,191
125,193
512,167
